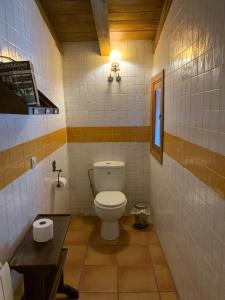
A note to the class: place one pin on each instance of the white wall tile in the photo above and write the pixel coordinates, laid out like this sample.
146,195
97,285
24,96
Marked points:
91,101
190,217
25,36
83,155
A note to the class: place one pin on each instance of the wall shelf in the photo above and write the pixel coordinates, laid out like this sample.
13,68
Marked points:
10,103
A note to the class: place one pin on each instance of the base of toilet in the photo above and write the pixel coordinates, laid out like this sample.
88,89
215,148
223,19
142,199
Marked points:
110,230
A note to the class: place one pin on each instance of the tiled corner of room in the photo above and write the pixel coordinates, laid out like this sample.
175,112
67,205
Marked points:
187,192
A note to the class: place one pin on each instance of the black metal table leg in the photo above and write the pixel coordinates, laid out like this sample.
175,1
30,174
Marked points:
67,289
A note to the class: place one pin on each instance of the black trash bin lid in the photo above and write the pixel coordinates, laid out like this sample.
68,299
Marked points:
140,205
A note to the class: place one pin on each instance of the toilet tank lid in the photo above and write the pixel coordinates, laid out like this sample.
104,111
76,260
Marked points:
109,164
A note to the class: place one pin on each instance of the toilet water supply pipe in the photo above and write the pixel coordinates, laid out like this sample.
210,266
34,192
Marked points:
91,184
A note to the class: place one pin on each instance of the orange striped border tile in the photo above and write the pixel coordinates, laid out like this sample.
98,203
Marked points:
16,161
206,165
108,134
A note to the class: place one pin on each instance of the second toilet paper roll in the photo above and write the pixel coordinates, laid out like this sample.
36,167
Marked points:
42,230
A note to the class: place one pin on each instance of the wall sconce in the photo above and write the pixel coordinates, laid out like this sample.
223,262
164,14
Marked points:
115,58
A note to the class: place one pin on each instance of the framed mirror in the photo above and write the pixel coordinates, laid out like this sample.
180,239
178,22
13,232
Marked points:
157,116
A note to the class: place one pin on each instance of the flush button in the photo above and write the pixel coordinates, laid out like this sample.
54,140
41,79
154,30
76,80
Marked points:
109,173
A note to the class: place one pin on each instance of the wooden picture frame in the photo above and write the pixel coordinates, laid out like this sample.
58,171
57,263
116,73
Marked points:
157,116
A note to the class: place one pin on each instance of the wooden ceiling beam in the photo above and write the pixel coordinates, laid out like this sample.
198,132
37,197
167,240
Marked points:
100,13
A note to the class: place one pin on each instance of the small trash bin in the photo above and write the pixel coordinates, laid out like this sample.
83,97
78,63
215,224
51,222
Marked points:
141,213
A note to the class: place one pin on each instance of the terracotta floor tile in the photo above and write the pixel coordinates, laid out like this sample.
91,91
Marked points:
157,255
99,279
98,296
84,223
126,237
136,279
139,296
72,275
169,296
152,237
132,237
96,239
77,237
127,223
91,264
164,279
134,255
75,256
101,255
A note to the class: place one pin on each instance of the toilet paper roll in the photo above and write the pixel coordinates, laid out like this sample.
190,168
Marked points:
42,230
61,184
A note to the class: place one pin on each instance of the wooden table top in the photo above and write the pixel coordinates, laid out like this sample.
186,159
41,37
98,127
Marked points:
32,255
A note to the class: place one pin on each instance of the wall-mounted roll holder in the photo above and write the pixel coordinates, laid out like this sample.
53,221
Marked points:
54,169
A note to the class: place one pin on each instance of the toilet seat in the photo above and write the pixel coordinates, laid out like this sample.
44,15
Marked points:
110,199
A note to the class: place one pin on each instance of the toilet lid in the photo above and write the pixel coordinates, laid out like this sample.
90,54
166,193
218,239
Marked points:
110,198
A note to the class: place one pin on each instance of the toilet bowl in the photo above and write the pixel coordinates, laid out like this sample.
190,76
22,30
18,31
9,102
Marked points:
110,202
109,207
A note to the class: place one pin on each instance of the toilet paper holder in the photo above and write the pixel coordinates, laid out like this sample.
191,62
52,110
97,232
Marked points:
54,169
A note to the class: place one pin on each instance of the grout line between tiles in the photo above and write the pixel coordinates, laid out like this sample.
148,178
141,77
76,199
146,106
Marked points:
154,270
83,264
117,265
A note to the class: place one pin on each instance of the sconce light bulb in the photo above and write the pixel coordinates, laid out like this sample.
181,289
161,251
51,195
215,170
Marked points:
115,56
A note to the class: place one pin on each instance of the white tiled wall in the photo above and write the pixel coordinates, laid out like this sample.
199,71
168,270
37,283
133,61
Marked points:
83,155
91,101
190,217
192,50
190,221
30,194
24,36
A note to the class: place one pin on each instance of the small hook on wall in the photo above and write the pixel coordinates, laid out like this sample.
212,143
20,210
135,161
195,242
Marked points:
110,78
118,78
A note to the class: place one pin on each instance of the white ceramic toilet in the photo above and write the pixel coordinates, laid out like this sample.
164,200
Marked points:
110,202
